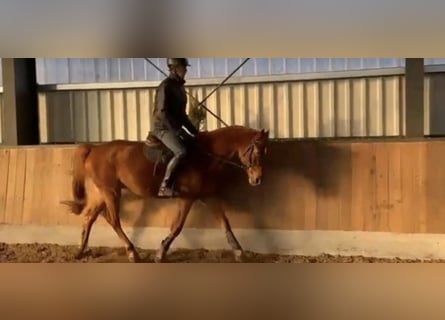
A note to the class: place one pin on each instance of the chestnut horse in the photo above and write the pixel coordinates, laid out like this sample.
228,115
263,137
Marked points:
101,171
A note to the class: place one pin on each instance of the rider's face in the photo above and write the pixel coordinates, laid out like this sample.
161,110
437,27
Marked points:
181,71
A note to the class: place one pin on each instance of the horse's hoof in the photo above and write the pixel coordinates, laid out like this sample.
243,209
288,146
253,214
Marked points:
159,257
78,256
239,255
133,257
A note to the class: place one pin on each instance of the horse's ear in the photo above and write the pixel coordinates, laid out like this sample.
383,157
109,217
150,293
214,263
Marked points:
262,134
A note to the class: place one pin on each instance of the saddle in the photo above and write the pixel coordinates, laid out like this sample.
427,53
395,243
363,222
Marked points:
155,151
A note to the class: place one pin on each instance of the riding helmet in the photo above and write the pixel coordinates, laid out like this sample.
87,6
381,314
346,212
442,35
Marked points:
177,61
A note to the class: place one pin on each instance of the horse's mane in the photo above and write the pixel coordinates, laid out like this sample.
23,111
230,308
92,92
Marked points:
230,132
230,129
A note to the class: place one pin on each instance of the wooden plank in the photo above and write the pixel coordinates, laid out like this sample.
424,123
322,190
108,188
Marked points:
55,180
395,187
420,224
413,186
61,179
297,186
64,181
20,186
4,172
323,185
303,193
309,197
41,193
382,205
10,190
53,187
333,191
435,188
371,215
16,187
31,184
363,172
344,193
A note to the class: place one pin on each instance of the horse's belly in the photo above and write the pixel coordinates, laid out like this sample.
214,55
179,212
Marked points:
141,180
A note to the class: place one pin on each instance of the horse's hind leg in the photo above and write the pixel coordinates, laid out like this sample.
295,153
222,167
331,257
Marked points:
112,200
184,206
217,208
91,214
94,206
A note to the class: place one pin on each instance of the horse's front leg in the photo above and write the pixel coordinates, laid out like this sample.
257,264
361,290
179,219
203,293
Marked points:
217,208
184,206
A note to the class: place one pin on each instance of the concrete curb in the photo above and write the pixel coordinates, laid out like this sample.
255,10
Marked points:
370,244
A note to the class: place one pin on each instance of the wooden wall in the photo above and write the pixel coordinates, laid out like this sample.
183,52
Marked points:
371,186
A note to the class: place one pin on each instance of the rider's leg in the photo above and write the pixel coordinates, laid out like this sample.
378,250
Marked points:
175,144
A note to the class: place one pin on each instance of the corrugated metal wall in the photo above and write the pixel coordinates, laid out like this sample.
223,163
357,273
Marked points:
318,108
69,70
354,107
94,115
51,71
322,108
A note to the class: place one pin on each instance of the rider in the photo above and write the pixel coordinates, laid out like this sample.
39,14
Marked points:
171,123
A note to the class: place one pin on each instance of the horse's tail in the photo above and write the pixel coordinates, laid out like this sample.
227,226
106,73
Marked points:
78,182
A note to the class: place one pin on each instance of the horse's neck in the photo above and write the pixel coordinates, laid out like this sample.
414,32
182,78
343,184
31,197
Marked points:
227,149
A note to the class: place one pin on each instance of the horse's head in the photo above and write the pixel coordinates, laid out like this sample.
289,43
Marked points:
251,156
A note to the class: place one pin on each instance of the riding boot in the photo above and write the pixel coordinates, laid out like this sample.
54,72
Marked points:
166,189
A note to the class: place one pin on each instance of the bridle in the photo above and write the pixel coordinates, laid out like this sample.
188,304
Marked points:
250,148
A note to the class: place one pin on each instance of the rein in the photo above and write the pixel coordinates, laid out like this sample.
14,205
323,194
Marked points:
241,166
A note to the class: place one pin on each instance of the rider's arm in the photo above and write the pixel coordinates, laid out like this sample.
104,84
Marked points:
164,107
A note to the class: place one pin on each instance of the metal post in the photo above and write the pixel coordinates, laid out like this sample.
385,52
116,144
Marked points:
414,87
20,114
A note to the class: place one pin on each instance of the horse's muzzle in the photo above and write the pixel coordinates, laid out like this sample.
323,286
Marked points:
255,182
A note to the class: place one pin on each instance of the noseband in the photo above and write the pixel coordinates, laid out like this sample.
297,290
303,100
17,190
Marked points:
249,150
